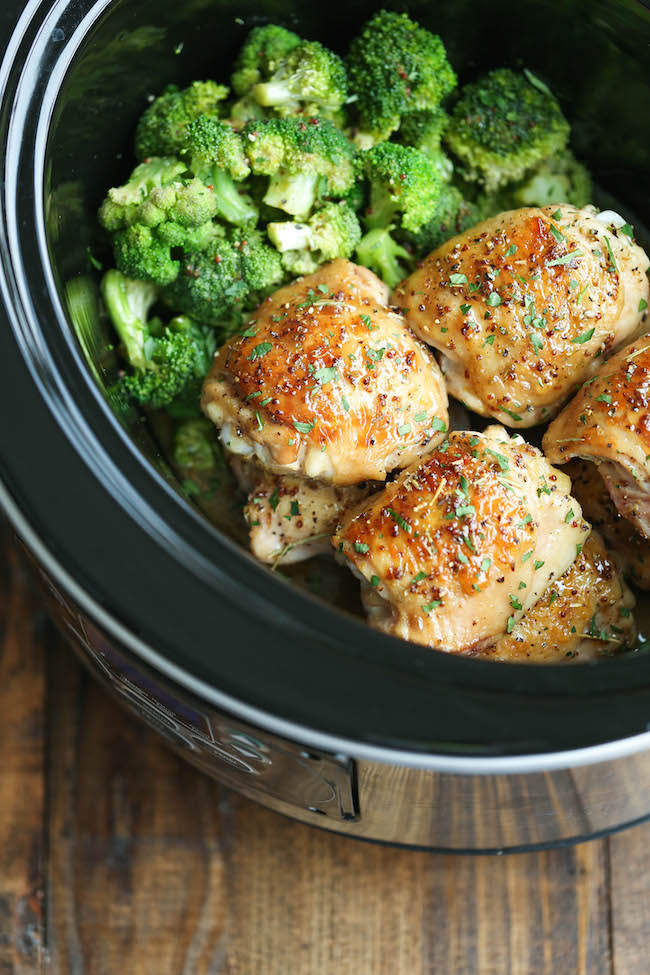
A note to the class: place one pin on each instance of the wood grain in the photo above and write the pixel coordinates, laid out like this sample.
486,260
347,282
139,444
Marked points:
22,785
116,858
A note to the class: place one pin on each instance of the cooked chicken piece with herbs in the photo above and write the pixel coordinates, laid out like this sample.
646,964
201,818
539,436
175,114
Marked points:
608,422
327,382
523,306
583,615
292,518
456,549
631,550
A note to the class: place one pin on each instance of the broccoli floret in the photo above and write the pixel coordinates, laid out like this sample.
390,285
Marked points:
560,179
404,186
123,202
162,128
423,130
216,154
150,217
310,79
307,159
453,215
395,67
166,360
404,192
195,445
245,110
260,56
330,232
236,272
382,254
503,125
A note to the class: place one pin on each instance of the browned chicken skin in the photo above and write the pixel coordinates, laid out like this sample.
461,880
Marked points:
456,549
522,306
327,382
608,422
631,550
585,614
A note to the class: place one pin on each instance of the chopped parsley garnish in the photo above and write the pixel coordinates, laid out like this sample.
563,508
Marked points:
398,518
295,508
361,547
503,462
538,564
510,625
374,580
324,290
527,555
611,253
304,427
457,279
569,516
557,215
325,375
489,340
537,341
566,259
274,500
260,350
367,322
404,429
627,230
511,250
485,564
260,421
467,509
584,336
514,602
420,417
559,236
604,398
463,558
344,403
494,300
643,304
465,309
432,605
514,416
437,424
418,578
252,330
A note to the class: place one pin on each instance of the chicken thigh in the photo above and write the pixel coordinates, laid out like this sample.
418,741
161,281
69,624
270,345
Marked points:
292,518
585,614
453,552
608,422
631,550
522,306
327,382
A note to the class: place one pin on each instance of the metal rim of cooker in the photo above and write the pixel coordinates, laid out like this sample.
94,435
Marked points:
300,669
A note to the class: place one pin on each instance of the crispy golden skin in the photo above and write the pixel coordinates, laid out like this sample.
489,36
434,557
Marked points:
459,546
327,382
585,614
521,306
608,422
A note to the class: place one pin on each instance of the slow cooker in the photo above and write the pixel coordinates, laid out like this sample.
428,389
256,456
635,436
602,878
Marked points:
292,702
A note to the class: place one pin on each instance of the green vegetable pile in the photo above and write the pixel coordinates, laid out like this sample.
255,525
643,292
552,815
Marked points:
305,157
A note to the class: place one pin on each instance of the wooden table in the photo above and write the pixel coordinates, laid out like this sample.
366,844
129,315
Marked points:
117,858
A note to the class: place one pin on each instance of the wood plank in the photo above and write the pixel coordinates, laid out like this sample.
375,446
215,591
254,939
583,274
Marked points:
310,902
629,854
22,700
136,871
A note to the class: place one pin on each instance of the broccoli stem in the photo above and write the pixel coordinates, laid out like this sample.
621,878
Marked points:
381,254
231,205
381,209
289,236
128,303
274,93
293,193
